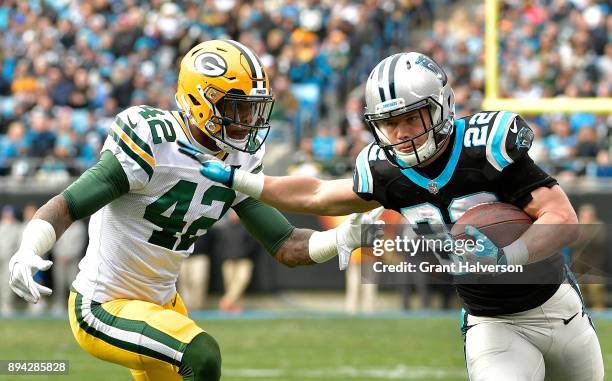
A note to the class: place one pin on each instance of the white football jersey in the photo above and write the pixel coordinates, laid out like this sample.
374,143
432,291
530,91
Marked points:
138,241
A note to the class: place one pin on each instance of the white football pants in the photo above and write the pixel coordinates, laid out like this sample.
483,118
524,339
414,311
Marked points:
553,342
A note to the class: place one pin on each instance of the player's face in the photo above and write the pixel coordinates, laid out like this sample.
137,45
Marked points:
412,126
246,115
237,132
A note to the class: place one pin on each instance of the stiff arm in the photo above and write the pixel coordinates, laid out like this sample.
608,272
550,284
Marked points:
301,194
304,194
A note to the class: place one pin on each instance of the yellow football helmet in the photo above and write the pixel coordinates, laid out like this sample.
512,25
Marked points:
224,91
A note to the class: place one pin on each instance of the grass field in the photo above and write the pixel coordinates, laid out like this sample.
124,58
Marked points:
287,349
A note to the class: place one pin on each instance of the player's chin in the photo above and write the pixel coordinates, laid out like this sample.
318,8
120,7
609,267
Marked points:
238,135
408,148
404,149
238,138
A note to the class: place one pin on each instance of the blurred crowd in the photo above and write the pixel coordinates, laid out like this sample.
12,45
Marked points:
561,48
67,67
548,49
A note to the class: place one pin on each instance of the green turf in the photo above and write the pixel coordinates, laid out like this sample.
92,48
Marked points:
284,350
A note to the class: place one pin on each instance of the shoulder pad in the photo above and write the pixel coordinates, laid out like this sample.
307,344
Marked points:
131,143
363,182
505,135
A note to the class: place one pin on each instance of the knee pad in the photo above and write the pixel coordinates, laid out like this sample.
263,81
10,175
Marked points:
201,360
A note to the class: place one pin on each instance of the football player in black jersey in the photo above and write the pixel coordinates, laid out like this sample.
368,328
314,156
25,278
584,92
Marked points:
431,167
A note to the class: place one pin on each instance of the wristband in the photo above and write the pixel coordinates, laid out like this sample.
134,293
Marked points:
38,236
322,246
516,253
248,183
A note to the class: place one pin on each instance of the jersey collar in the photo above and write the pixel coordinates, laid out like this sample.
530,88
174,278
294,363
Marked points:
221,155
434,185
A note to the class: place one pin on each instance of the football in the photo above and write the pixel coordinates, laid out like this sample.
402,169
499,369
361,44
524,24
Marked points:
501,223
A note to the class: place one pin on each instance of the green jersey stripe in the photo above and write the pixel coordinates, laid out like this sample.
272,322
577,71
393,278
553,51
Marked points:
139,160
129,131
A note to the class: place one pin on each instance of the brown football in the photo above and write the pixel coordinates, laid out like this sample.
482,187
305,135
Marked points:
501,223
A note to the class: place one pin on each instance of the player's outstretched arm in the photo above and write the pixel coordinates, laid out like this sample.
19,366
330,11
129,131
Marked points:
294,251
304,194
300,194
295,247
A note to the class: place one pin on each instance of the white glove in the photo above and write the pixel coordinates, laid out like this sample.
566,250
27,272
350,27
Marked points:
348,234
22,267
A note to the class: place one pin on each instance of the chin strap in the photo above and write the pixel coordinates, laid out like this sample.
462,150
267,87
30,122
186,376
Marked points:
410,159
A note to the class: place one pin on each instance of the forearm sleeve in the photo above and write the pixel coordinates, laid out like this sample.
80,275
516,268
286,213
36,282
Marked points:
266,224
98,186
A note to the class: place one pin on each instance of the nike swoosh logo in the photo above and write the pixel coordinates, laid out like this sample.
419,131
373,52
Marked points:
132,125
514,128
567,321
174,301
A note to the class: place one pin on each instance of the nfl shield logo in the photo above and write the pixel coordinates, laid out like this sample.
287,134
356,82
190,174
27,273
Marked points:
432,187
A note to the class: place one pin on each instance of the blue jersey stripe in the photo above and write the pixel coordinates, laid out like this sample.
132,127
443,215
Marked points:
362,167
497,144
448,171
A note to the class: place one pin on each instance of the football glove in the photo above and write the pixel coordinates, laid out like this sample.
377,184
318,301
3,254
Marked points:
212,168
22,267
348,233
485,251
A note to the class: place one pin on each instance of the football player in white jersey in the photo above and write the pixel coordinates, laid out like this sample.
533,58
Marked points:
432,168
148,204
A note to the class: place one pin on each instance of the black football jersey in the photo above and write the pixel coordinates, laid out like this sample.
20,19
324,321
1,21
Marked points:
486,160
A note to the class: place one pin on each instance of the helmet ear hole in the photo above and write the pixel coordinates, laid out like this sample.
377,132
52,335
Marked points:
193,100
